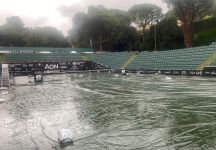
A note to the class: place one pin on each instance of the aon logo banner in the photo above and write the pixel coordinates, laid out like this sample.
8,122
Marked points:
51,67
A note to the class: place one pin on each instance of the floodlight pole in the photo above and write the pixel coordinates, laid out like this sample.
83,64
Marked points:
155,34
90,41
155,37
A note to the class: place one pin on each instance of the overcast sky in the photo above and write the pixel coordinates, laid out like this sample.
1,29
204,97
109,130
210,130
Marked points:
58,13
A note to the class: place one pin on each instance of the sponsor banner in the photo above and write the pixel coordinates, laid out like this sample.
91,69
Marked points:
51,66
39,65
176,72
184,72
24,65
12,65
51,71
38,72
31,65
209,71
166,72
62,63
194,73
63,67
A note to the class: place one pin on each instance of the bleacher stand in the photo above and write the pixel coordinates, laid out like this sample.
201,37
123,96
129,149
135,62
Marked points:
195,58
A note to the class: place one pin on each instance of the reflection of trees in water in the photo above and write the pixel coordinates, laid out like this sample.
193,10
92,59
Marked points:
46,98
126,107
103,111
143,112
106,105
40,98
19,109
114,101
193,124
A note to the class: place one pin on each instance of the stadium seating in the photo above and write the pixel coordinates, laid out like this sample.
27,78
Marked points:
195,58
38,57
113,60
43,49
182,59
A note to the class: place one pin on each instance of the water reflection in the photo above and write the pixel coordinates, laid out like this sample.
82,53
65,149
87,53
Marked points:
105,111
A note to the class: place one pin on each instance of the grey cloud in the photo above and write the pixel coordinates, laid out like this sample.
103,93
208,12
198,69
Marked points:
4,15
64,27
28,21
68,11
118,4
39,21
124,4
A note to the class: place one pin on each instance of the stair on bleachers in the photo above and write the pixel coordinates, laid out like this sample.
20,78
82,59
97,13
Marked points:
207,62
85,57
129,61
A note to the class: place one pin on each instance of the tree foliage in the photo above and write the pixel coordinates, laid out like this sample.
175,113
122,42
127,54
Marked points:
116,30
143,15
205,31
187,11
106,29
214,9
168,34
14,33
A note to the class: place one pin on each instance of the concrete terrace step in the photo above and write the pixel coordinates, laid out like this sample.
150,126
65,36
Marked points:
207,62
129,61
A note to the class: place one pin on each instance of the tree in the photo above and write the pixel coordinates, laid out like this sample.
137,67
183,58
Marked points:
187,11
108,29
169,35
78,34
205,31
143,15
214,9
44,37
14,22
95,26
14,33
123,36
100,23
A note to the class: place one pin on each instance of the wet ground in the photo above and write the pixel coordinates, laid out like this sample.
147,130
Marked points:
106,111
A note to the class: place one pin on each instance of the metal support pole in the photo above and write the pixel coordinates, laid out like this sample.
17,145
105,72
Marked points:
155,37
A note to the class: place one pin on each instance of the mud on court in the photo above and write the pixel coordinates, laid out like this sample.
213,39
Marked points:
106,111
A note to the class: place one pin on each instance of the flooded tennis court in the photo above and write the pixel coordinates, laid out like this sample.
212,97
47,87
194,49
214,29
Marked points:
107,111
